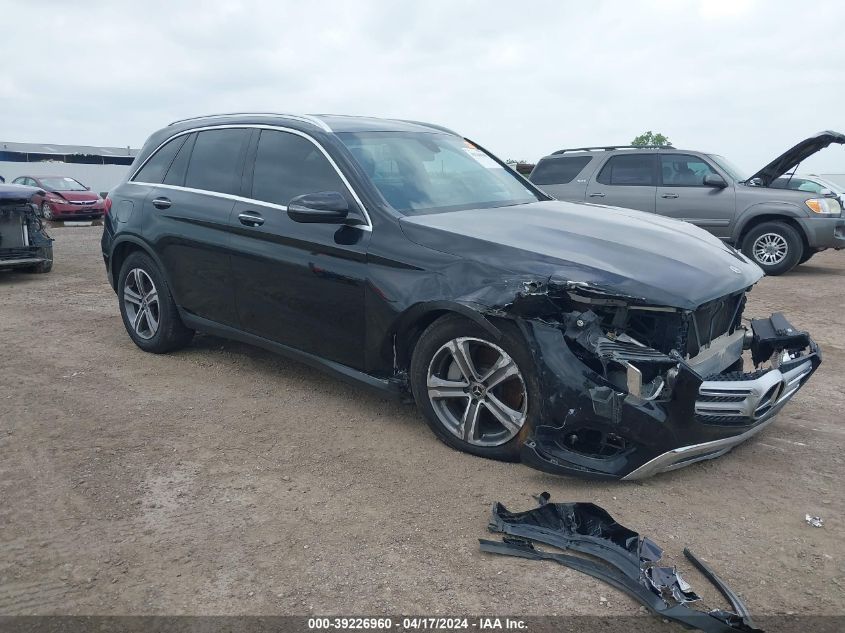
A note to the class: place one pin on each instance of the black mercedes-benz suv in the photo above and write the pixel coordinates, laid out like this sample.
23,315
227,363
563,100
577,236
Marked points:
601,342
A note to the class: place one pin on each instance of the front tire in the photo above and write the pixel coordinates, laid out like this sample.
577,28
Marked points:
478,395
147,307
775,247
46,213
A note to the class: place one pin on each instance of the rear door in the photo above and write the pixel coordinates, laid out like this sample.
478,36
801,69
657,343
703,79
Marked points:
626,180
301,285
683,195
188,212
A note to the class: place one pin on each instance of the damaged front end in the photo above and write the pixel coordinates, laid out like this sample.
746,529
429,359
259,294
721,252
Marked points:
24,243
635,389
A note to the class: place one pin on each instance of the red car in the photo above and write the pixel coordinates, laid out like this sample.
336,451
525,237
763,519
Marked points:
64,198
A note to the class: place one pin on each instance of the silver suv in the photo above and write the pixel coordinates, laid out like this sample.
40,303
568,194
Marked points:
777,228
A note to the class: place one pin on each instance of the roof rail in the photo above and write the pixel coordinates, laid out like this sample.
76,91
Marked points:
296,117
608,148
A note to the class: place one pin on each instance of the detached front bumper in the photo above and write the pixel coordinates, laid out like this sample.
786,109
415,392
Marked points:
634,438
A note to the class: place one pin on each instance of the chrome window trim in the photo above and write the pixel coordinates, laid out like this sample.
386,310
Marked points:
305,118
366,227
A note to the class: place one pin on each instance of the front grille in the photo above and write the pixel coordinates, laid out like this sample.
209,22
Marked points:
713,320
82,202
746,398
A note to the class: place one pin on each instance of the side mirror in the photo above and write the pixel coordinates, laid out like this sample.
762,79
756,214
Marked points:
827,193
715,180
325,207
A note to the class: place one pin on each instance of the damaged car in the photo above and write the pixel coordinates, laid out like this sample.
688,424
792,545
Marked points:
406,258
24,243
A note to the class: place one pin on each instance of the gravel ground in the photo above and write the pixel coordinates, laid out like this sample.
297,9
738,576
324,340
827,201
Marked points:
224,480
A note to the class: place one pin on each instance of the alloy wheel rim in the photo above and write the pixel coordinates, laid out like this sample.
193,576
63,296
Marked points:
140,299
45,212
477,391
770,248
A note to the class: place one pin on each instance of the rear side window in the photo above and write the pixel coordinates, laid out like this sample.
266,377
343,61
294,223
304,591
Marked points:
155,168
287,165
559,171
216,163
683,170
629,169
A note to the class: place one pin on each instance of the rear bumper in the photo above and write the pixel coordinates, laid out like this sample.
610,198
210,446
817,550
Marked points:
824,232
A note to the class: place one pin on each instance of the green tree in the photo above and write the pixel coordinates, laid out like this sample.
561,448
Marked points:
650,138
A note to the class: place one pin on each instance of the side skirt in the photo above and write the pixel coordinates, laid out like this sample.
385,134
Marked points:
385,387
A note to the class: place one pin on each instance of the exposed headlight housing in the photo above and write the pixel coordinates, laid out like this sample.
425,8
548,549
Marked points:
824,206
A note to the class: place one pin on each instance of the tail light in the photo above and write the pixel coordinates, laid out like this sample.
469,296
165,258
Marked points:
106,206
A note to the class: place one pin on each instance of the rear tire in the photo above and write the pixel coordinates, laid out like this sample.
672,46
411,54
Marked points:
490,414
775,247
147,307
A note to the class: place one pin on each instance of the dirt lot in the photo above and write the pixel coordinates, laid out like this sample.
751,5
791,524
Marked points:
225,480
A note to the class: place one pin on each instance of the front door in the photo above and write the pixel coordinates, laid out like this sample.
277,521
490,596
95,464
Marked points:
683,195
301,285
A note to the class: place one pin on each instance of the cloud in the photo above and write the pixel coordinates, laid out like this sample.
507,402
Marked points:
738,78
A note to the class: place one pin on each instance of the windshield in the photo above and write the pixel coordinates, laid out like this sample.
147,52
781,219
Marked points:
61,183
733,171
423,172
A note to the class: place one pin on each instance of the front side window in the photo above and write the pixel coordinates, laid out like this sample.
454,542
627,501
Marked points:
154,169
629,169
559,171
287,165
683,170
216,163
422,172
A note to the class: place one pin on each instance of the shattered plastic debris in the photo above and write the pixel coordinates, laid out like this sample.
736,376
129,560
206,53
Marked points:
814,521
629,562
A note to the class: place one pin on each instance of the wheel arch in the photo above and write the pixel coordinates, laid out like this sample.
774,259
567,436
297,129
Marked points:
125,246
413,322
757,214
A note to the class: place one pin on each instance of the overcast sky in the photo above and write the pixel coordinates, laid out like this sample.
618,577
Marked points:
741,78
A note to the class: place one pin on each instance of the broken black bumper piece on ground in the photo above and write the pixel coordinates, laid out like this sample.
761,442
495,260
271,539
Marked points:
618,556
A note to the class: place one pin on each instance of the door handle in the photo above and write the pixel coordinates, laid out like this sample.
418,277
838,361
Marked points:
669,195
161,203
250,218
596,195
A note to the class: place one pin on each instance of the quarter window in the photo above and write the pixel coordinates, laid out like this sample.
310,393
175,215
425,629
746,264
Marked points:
559,171
287,165
179,166
216,162
155,168
683,170
629,169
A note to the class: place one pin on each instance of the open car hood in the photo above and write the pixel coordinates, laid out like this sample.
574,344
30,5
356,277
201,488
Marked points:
795,155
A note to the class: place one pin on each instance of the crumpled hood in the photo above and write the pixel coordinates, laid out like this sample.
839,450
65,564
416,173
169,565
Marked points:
795,155
621,251
76,196
12,194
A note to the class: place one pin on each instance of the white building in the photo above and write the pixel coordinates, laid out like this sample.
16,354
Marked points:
97,167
